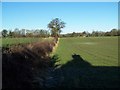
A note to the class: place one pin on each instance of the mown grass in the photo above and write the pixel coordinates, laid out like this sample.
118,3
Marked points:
90,62
98,51
13,41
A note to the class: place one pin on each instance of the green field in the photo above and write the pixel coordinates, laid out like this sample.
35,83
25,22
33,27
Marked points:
98,51
87,62
81,61
12,41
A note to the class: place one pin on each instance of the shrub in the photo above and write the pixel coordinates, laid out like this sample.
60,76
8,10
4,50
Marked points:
21,61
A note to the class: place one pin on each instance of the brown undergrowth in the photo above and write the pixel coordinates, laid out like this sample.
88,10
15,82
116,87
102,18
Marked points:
21,64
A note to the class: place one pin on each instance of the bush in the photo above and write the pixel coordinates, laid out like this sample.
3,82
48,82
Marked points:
20,63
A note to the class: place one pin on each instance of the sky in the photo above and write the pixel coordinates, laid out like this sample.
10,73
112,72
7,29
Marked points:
0,16
78,16
60,0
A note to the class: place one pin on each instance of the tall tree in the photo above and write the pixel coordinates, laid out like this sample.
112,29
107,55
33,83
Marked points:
55,26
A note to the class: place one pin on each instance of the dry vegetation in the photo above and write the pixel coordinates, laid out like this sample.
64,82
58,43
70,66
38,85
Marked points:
23,63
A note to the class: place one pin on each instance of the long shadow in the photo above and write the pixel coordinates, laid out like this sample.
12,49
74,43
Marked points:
81,74
19,70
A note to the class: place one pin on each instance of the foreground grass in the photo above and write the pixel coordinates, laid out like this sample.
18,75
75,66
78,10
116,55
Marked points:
98,51
88,62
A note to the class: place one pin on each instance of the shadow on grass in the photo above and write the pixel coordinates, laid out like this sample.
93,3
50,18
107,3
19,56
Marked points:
81,74
33,69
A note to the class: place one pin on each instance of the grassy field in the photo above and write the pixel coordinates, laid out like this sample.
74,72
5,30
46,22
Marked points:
12,41
88,62
98,51
81,61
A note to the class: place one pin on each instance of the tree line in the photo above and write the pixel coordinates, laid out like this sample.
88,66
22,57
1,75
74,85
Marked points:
25,33
55,27
113,32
